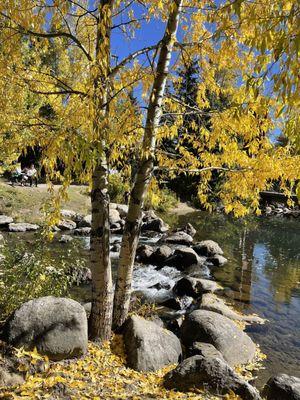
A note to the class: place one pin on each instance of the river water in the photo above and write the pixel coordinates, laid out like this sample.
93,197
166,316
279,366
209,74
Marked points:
262,274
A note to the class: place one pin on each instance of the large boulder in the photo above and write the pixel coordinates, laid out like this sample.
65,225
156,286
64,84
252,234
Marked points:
160,256
213,303
5,221
205,350
57,327
148,346
195,287
144,253
22,227
155,225
282,387
178,238
218,260
209,327
66,225
206,373
208,248
183,258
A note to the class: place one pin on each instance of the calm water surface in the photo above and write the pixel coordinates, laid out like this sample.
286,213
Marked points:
263,274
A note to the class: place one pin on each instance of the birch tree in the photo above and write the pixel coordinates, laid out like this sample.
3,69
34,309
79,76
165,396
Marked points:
133,220
56,56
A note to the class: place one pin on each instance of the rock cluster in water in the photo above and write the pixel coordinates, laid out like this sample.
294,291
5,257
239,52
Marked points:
281,210
194,327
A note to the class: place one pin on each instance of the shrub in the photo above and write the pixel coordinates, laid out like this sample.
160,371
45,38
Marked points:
26,275
117,188
160,199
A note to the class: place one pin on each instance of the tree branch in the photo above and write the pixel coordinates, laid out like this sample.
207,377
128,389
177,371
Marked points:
48,35
131,57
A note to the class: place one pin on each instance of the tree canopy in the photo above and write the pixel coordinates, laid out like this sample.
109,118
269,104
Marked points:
64,90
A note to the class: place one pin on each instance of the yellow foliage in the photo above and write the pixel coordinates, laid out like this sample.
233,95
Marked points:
100,374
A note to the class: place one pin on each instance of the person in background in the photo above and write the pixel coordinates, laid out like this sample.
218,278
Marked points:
31,174
17,175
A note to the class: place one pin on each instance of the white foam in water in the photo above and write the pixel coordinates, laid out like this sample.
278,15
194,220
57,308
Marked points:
147,276
118,239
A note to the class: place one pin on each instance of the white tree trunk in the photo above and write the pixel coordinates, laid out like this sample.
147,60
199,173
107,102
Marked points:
100,320
102,287
133,221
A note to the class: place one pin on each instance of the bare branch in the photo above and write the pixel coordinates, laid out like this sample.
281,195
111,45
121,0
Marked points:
131,57
48,35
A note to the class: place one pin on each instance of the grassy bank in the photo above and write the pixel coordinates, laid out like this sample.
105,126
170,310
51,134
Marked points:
24,204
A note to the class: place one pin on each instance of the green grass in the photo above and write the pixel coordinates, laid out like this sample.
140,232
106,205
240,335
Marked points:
24,203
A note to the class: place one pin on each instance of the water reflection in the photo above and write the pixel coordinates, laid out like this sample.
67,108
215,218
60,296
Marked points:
263,274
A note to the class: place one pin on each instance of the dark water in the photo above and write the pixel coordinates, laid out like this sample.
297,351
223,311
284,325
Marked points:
263,273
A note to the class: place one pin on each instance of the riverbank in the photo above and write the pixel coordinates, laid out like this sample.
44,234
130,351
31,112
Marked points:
101,373
252,248
24,203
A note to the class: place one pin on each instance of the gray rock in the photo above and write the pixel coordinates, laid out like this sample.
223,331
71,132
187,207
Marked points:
149,215
148,346
115,248
1,238
123,210
72,215
205,350
178,238
86,231
5,221
189,229
210,374
66,225
22,227
211,302
155,225
183,258
282,387
195,287
218,260
208,248
160,256
65,239
114,216
178,303
86,222
209,327
57,327
88,308
9,378
116,227
143,253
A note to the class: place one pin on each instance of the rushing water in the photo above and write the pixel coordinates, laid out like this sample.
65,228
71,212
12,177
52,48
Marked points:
263,274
